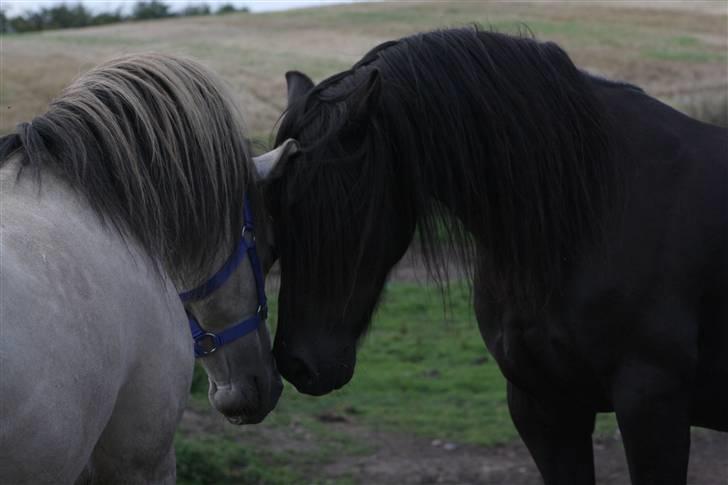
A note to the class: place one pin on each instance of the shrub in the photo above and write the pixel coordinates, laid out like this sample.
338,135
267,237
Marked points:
195,10
153,9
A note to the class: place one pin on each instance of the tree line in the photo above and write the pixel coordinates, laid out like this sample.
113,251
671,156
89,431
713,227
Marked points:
65,16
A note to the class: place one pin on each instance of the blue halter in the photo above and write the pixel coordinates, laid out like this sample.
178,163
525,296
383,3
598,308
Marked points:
207,342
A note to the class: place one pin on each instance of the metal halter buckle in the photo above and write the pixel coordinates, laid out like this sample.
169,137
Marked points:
262,312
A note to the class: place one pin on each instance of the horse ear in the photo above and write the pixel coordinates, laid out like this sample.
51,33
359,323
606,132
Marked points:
270,165
298,85
366,95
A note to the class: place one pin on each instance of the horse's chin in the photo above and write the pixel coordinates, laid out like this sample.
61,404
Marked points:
237,420
247,418
244,404
241,420
330,379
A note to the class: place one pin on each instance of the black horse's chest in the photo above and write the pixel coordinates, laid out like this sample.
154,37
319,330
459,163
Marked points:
539,355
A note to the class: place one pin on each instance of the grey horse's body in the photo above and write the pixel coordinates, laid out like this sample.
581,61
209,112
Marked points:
91,336
96,355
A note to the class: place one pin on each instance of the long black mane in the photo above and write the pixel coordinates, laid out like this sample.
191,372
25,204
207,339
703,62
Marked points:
156,145
503,132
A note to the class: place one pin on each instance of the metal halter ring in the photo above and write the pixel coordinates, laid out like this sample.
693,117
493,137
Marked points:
202,350
248,230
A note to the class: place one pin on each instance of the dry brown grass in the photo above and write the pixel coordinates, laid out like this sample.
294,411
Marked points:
672,50
711,108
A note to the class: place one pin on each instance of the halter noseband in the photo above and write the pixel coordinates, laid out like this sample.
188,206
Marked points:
207,342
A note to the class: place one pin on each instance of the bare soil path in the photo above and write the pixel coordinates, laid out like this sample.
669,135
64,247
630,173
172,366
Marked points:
398,458
403,459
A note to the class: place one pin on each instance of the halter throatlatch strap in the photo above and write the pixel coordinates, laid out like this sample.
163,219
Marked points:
207,342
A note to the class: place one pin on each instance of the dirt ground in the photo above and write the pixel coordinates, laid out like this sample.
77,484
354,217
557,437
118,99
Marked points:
398,458
403,459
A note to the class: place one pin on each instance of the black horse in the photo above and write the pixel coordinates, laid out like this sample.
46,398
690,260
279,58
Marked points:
593,217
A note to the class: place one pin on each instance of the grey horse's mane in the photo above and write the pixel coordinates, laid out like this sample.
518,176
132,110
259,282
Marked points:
156,144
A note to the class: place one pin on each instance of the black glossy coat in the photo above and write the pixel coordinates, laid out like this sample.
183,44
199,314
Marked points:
597,218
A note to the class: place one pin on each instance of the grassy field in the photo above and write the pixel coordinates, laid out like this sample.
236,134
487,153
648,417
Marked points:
421,373
676,53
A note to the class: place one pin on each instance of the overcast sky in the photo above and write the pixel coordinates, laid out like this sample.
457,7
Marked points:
17,7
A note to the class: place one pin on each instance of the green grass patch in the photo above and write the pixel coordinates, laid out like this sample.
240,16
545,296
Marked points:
222,461
606,424
685,41
418,371
199,383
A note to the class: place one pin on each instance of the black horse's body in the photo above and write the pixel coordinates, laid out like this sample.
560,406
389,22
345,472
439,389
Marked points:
642,331
597,218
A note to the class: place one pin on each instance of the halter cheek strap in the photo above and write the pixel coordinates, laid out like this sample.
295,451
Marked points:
207,342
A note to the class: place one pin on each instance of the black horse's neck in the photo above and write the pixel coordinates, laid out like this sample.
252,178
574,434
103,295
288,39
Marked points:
506,135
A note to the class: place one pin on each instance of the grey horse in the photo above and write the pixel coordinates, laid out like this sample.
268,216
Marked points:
128,190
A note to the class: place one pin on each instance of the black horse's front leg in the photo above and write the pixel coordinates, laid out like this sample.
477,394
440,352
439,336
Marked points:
558,436
653,411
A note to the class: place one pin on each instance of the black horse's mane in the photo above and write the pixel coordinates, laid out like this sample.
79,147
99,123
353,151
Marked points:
505,132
